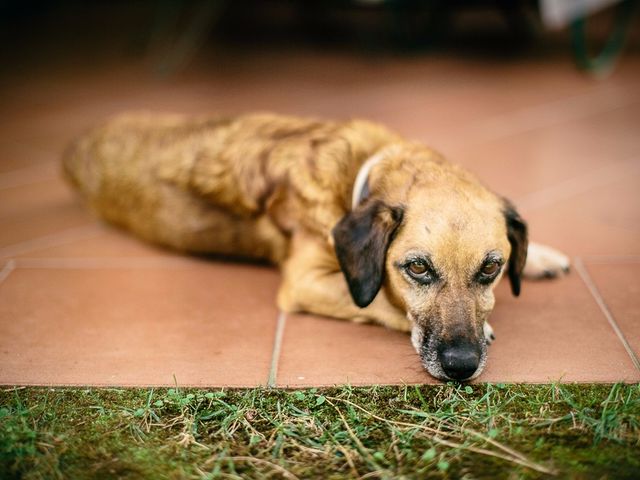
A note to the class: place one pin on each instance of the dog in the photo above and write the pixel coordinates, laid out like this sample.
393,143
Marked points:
365,225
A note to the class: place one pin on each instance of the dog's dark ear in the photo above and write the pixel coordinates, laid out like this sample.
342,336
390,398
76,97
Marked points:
361,240
518,238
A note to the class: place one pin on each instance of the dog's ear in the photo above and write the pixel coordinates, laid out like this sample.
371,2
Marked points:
518,238
361,240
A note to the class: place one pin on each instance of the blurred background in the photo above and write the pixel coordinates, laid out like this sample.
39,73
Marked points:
174,34
529,95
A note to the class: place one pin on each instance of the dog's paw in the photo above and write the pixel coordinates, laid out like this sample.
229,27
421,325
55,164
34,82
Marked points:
545,262
488,333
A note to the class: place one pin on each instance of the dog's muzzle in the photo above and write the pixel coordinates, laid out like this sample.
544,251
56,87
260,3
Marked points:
460,361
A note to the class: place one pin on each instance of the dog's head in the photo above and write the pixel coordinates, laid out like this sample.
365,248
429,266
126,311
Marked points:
439,242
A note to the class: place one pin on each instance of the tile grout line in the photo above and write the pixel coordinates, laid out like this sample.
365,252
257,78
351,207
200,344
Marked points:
611,259
576,185
545,115
277,346
35,149
69,235
595,293
9,267
21,177
110,263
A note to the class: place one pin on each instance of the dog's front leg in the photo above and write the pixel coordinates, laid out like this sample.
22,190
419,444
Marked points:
313,283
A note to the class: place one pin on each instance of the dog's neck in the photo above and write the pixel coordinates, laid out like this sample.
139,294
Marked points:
361,185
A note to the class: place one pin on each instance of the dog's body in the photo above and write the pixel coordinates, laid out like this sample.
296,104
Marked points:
418,246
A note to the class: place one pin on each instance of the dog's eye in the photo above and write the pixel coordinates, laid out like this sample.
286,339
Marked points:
421,270
417,267
490,269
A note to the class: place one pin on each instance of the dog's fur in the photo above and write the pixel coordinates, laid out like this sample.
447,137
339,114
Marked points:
280,188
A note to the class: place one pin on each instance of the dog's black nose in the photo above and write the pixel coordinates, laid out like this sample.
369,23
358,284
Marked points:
460,362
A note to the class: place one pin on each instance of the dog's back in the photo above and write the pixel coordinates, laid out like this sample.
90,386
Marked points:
220,185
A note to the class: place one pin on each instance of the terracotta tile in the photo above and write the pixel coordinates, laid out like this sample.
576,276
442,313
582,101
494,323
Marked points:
322,351
206,324
47,116
467,112
619,285
430,98
582,347
106,242
604,220
520,165
30,174
29,160
529,141
554,331
437,99
39,209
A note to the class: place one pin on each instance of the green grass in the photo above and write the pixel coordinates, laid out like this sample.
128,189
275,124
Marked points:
449,431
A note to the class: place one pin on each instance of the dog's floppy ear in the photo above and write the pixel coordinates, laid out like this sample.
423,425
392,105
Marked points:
361,240
517,235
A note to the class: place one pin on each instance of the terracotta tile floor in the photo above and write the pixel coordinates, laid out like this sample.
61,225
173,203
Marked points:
83,303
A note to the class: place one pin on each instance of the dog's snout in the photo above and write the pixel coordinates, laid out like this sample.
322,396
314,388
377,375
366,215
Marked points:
460,362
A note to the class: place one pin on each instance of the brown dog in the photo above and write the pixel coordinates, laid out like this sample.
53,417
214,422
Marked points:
365,225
